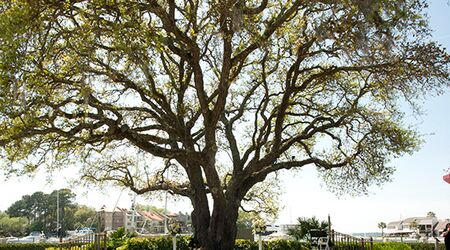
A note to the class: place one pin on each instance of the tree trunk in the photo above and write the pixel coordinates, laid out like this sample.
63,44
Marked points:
200,222
221,230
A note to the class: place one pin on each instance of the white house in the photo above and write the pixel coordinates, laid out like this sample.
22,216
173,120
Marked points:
408,226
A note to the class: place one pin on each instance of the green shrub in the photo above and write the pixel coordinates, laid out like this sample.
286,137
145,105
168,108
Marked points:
425,246
284,245
165,243
156,243
391,246
405,246
351,245
109,246
117,239
271,245
31,246
64,248
245,245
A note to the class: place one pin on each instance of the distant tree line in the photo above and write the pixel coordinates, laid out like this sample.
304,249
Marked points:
38,212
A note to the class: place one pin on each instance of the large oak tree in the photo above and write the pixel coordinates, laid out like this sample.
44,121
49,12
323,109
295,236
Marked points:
221,93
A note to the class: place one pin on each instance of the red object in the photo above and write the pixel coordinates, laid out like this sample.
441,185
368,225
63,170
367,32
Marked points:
446,178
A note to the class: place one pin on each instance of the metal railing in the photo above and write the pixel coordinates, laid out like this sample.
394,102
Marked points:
342,241
95,241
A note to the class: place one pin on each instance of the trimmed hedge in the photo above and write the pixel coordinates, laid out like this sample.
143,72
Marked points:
425,246
71,248
155,243
27,246
165,243
391,246
405,246
284,245
245,245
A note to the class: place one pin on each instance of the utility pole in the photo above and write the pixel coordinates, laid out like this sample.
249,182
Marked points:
57,208
133,214
166,231
58,224
330,235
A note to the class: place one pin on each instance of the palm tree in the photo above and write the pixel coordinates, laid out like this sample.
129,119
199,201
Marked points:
431,214
382,226
415,226
301,231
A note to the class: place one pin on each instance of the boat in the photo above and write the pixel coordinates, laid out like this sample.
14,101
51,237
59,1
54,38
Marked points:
33,237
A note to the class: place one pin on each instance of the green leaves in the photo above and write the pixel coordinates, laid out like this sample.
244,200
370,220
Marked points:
301,231
37,212
12,225
274,86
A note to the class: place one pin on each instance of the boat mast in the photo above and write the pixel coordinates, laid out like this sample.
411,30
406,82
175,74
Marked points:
166,231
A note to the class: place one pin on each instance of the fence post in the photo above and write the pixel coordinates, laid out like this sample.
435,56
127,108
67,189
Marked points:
259,242
371,243
104,241
96,241
330,240
174,242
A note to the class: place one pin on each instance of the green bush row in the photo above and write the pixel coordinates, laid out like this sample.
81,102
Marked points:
165,243
405,246
425,246
155,243
26,246
391,246
271,245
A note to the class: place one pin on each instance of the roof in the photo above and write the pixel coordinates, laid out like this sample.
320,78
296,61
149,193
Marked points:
172,215
420,220
411,219
152,215
441,224
394,223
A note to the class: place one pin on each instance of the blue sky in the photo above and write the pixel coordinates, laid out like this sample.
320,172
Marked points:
417,185
416,189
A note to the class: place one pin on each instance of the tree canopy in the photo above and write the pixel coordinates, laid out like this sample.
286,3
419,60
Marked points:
431,214
382,226
12,225
219,93
38,212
